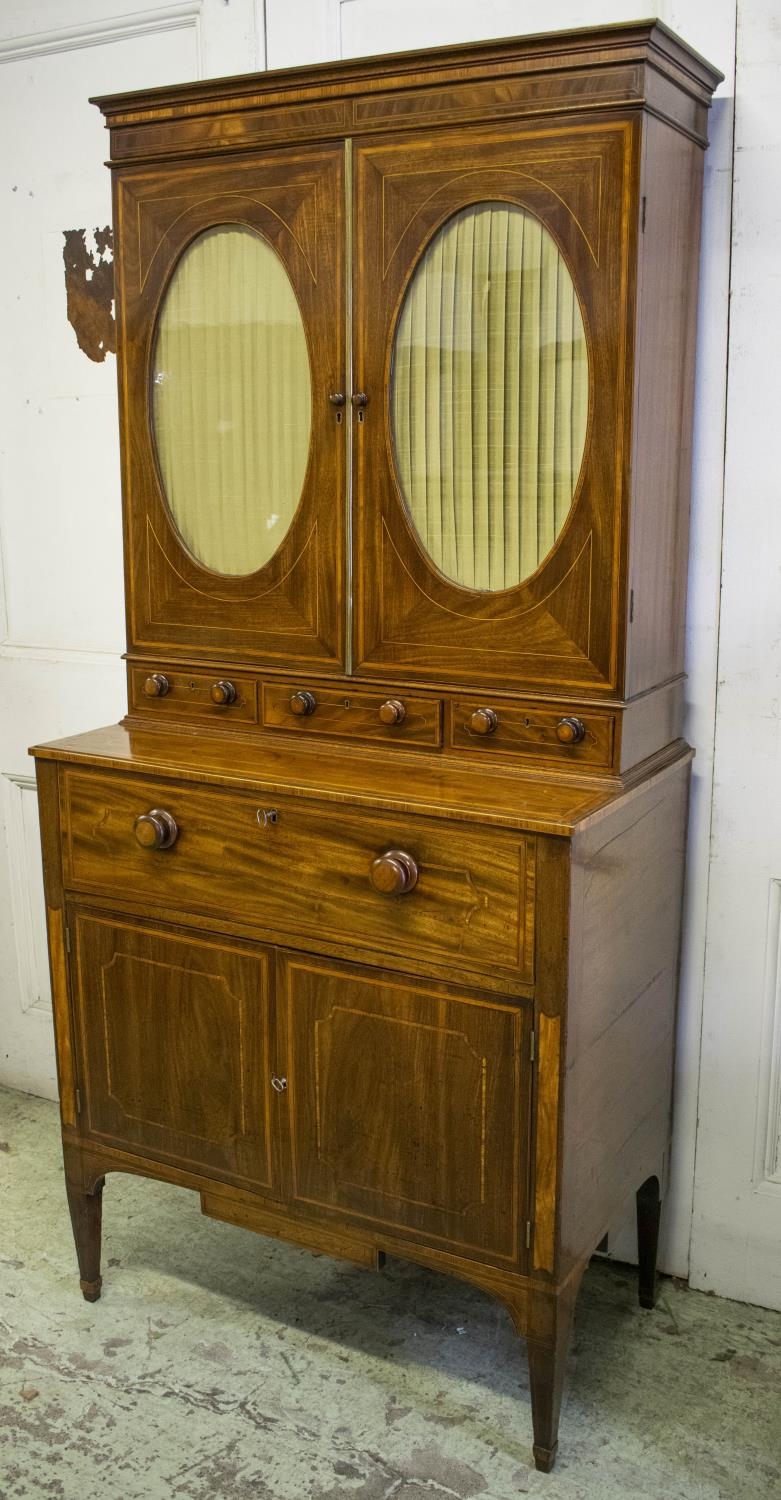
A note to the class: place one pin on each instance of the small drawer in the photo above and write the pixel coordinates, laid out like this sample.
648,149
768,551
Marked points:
406,719
194,695
533,731
394,883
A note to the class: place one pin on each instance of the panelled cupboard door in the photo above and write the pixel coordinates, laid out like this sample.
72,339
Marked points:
492,296
230,293
174,1046
409,1105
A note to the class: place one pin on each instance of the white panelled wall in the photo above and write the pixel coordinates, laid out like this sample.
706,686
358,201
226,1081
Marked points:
61,597
60,554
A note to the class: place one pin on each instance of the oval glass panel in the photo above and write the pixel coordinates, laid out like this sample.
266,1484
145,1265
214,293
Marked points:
489,396
231,400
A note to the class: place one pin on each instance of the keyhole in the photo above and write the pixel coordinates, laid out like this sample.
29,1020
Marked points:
338,418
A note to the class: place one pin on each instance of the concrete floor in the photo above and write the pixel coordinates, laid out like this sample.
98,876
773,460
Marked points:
222,1365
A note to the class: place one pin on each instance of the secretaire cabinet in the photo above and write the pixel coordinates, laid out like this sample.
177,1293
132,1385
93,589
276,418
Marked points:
364,923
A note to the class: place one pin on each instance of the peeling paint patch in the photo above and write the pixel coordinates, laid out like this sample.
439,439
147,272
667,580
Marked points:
89,284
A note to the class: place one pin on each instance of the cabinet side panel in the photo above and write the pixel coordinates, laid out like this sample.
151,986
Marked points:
668,274
48,802
553,921
624,944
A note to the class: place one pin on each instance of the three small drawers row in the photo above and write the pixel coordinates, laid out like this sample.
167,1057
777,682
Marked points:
374,716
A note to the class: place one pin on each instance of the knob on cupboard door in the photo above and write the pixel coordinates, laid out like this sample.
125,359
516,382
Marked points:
223,693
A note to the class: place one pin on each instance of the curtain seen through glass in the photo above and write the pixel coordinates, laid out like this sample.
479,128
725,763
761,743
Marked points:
490,396
232,400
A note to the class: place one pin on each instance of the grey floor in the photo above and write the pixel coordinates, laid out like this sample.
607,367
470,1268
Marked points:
222,1365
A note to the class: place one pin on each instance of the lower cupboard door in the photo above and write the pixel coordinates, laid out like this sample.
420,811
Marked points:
409,1105
173,1035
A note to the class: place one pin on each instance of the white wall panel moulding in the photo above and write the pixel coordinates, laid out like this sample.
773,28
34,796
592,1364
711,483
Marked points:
768,1140
27,902
69,656
98,32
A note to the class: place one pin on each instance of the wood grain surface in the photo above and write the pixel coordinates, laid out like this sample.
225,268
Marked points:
307,871
394,986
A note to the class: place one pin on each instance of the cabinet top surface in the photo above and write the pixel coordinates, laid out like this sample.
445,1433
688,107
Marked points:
536,803
640,41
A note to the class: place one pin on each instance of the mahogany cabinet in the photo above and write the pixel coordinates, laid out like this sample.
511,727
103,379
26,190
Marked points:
364,923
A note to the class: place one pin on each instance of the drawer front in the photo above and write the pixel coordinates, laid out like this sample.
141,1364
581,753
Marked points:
304,868
354,715
188,695
534,730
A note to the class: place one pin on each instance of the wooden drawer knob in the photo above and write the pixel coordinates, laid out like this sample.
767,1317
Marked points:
484,721
155,829
570,731
394,873
302,704
222,693
392,711
156,685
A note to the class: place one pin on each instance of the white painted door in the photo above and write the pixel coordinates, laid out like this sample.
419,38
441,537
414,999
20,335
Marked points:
61,601
736,1231
314,30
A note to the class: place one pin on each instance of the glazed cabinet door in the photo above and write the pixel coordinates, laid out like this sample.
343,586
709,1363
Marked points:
492,328
408,1106
230,296
174,1041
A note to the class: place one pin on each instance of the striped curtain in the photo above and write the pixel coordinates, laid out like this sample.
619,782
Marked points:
490,396
232,400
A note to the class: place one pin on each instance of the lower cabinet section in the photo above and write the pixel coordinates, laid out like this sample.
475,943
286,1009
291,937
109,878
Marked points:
174,1046
351,1095
409,1104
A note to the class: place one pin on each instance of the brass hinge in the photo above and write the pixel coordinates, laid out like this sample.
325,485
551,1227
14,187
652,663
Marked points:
67,938
532,1047
631,605
642,216
78,1100
528,1234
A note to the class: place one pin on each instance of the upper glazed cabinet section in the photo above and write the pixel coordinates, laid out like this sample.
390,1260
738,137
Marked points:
231,299
463,510
491,318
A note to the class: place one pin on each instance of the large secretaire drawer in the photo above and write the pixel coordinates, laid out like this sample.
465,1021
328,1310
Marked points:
306,868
